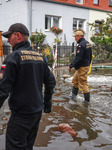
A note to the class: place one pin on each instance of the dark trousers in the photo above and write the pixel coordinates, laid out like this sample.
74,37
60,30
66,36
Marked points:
21,131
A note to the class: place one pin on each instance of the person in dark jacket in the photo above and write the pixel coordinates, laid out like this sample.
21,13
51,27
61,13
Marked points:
23,74
81,63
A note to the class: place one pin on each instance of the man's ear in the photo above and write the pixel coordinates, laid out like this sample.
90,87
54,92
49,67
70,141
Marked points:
19,35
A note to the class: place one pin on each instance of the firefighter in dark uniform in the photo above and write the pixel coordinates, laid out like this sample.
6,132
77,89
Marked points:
81,63
22,76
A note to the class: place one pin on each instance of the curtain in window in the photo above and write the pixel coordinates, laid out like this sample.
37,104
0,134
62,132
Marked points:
47,22
56,22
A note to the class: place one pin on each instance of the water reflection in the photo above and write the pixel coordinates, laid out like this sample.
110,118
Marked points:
92,122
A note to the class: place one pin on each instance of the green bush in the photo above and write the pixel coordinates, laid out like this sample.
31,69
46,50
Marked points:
49,58
110,57
37,37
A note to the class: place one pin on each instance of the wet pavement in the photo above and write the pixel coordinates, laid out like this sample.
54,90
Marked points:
92,122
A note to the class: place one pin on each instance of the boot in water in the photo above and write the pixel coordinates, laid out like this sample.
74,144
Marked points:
74,93
86,97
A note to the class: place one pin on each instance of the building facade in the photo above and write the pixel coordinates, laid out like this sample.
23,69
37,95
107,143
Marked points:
65,14
96,4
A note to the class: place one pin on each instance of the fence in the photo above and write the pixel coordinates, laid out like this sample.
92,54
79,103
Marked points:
66,54
102,53
4,51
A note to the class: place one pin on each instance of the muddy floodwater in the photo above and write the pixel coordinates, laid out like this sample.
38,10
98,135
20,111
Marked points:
92,122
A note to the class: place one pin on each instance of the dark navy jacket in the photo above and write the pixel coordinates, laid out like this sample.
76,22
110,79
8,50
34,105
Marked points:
83,55
24,73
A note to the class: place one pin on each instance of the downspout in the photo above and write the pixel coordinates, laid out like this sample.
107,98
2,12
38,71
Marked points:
30,16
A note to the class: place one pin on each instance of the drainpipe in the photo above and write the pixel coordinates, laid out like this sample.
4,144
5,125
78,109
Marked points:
30,16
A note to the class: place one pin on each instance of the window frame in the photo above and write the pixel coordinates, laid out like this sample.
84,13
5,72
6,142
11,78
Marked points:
96,3
97,30
52,22
110,3
81,2
78,22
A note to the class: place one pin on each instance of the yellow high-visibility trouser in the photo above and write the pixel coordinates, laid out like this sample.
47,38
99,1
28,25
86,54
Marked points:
80,79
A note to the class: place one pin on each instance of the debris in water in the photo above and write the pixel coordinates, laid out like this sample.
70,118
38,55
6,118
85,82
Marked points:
66,76
64,127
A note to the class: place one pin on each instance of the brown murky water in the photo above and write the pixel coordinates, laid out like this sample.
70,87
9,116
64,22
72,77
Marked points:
92,122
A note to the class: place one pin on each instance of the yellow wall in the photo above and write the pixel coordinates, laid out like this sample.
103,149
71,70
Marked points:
96,15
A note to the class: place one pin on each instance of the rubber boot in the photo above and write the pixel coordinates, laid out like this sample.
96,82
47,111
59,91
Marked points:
87,97
75,90
74,93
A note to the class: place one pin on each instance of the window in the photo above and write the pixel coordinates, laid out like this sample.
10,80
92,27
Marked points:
79,1
97,23
96,2
110,2
78,24
47,22
52,21
56,22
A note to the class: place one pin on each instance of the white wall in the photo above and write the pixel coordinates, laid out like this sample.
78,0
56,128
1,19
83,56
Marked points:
18,11
11,12
40,9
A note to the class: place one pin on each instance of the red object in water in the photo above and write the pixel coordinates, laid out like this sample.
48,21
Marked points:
64,127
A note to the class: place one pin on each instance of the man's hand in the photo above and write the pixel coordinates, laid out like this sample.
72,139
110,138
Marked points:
47,107
69,69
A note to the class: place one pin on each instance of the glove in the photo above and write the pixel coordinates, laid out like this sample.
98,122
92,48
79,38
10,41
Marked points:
47,106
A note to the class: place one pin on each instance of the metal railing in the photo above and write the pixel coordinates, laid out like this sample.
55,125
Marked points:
4,51
66,54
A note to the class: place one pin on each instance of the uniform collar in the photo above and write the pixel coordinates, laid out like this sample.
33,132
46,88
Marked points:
23,44
80,40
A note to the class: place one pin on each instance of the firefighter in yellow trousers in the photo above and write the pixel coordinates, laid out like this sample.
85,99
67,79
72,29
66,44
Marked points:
82,64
